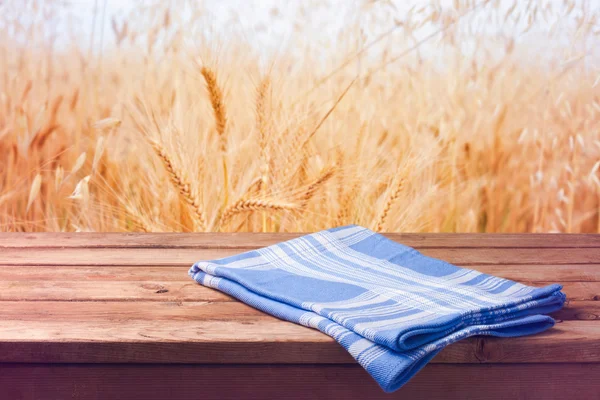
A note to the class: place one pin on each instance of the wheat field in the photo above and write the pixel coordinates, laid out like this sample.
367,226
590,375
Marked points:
170,128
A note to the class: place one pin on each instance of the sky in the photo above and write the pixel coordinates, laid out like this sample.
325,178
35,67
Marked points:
255,23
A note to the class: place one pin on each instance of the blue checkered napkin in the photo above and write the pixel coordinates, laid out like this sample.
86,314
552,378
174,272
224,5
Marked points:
391,307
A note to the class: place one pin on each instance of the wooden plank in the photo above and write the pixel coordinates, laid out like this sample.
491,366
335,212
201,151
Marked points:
184,256
114,311
159,382
100,273
576,291
254,240
532,273
191,311
41,290
109,256
580,311
262,340
547,272
115,291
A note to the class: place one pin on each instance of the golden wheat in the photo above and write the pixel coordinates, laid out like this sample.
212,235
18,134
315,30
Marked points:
310,190
262,127
34,190
496,141
182,185
258,204
216,100
393,194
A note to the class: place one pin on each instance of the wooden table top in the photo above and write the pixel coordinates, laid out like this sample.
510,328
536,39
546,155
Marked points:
127,298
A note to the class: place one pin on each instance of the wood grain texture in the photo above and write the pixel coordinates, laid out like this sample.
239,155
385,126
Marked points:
530,273
579,311
119,317
41,291
186,256
259,340
205,332
117,311
183,382
131,290
256,240
130,312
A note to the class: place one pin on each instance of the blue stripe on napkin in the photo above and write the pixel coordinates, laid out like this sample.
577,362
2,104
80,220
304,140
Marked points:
392,308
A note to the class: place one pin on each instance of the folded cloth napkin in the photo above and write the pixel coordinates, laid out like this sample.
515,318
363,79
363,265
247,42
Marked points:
392,308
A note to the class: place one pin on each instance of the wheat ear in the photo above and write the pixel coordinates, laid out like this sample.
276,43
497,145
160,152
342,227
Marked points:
391,199
216,100
34,190
247,205
179,181
319,181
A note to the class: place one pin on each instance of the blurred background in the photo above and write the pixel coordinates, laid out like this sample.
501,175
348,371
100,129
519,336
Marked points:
272,115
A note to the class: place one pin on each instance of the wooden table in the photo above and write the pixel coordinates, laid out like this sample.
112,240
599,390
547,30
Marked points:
91,316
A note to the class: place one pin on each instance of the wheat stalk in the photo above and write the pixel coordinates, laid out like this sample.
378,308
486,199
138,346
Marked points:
301,141
78,163
216,100
261,125
59,175
34,190
98,153
138,219
247,205
180,182
392,197
347,200
329,112
253,189
319,181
